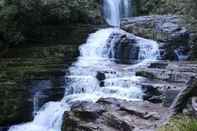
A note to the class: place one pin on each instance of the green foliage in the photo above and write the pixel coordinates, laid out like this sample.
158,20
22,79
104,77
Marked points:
181,123
9,26
18,18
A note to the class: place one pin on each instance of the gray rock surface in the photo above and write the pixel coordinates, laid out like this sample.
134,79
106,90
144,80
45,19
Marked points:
169,30
114,115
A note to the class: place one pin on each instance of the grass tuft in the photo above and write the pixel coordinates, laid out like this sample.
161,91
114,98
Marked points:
180,123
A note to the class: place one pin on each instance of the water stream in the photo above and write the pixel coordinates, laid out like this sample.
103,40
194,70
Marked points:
114,10
82,84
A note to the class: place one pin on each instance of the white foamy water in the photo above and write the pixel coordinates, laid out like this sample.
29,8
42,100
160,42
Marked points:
49,118
114,10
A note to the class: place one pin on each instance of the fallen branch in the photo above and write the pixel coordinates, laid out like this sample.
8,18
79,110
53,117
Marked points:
183,97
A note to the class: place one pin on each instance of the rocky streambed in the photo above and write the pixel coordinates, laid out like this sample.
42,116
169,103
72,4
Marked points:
39,77
162,82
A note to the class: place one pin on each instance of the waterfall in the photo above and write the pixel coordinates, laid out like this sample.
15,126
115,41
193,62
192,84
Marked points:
83,84
114,10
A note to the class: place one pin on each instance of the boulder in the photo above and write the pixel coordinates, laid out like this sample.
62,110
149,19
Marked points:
100,76
87,111
110,114
151,94
123,48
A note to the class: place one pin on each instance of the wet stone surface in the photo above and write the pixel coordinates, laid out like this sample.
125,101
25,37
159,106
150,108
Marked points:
110,114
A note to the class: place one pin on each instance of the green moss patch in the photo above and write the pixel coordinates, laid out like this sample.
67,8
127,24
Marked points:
180,123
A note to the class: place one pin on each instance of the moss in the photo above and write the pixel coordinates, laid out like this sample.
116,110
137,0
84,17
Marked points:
180,123
24,64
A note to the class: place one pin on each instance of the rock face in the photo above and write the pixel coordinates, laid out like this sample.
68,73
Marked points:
15,94
168,30
187,9
30,77
168,81
111,114
123,48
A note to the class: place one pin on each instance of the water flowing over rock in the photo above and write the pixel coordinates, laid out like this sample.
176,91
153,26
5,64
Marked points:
115,10
122,48
82,83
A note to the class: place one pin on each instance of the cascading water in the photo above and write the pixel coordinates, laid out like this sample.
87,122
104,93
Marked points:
82,83
114,10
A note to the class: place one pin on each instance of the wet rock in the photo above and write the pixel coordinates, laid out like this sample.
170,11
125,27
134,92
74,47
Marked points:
146,74
168,30
87,110
101,77
109,101
150,92
123,48
160,65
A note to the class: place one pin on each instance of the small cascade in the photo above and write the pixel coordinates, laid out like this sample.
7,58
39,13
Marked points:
114,10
